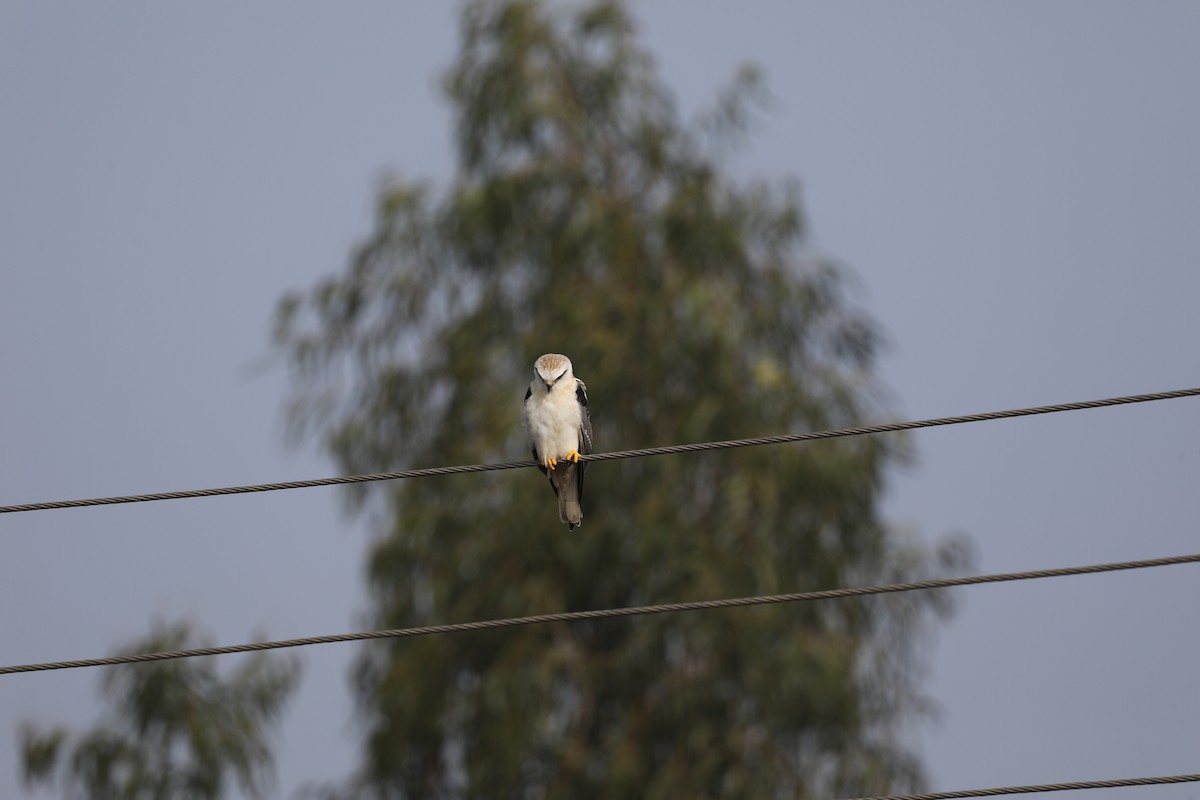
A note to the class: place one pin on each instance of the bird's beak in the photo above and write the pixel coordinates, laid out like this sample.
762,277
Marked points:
549,385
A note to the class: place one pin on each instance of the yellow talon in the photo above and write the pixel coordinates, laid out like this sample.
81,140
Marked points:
573,456
551,462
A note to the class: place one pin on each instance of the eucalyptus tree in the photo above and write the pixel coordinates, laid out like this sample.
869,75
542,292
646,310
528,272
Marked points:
587,218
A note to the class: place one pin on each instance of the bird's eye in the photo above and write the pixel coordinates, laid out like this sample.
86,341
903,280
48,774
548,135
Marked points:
564,372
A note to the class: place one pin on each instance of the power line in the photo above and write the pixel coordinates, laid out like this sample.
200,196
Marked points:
642,453
570,616
1042,787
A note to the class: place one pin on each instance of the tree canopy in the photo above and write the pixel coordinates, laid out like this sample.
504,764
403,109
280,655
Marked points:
173,729
587,218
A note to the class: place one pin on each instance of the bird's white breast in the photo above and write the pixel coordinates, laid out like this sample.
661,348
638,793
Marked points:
553,420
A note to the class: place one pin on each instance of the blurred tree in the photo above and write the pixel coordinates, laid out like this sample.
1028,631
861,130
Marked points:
175,729
587,219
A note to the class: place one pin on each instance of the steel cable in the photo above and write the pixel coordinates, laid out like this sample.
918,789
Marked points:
642,453
570,616
1041,787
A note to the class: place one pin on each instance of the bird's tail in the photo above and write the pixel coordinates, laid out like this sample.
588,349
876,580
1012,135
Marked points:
569,510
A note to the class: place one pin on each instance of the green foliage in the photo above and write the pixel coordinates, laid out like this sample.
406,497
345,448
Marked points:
587,219
174,729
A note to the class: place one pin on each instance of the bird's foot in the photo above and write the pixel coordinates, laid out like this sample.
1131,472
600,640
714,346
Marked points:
550,462
573,456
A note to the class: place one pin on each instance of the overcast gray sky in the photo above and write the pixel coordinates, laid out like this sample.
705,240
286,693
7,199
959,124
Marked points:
1017,186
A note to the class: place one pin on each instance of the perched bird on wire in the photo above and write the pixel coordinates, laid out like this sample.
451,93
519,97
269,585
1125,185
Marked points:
559,426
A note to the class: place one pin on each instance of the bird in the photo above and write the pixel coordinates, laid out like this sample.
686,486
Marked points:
559,426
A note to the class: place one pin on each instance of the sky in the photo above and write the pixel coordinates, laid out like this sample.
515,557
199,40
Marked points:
1014,185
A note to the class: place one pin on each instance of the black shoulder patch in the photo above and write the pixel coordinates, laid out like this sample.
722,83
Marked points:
528,393
585,430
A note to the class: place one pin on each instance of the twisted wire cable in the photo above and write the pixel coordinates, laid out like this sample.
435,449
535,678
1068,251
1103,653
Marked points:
641,453
569,616
1041,787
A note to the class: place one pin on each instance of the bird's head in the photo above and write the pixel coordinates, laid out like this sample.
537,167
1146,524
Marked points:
552,368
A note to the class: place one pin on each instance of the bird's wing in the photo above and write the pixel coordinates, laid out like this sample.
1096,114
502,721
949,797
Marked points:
585,431
585,418
532,446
